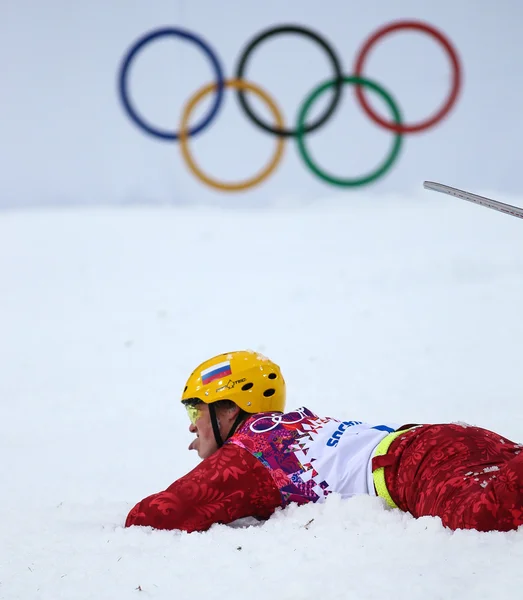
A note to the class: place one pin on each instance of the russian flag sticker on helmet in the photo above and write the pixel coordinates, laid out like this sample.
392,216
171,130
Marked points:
215,372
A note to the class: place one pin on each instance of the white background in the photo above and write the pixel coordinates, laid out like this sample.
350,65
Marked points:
66,140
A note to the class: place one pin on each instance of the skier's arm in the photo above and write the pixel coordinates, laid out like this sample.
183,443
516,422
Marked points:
228,485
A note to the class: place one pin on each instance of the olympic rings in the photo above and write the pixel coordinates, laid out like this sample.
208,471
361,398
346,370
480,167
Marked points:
240,71
387,164
276,419
456,75
242,185
140,45
395,126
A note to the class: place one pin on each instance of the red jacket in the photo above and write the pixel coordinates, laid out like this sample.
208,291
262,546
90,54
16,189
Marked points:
228,485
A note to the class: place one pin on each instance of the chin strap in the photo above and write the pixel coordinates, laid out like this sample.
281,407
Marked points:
241,416
216,427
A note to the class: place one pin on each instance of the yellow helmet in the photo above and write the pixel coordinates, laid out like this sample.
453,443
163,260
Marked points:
247,378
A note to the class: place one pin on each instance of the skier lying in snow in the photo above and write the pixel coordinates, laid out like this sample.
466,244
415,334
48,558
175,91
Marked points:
257,458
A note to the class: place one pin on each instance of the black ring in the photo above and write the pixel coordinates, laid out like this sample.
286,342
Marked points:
335,63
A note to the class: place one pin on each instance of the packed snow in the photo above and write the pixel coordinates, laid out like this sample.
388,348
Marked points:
375,307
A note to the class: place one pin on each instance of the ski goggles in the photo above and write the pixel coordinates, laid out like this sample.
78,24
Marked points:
194,409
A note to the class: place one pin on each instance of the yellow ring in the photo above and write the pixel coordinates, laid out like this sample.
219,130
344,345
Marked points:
193,167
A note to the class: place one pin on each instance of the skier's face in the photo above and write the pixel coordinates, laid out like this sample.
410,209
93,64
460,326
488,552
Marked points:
204,444
201,424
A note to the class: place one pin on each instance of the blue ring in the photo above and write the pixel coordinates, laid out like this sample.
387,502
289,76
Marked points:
124,72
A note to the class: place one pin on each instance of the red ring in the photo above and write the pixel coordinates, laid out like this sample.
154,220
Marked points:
456,77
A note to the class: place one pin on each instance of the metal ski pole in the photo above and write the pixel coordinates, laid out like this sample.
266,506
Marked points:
514,211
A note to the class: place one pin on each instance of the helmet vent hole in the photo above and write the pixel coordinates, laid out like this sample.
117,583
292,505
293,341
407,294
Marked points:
247,386
272,375
185,389
269,392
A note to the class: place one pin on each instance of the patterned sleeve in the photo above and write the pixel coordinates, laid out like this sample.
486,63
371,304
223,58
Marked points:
229,485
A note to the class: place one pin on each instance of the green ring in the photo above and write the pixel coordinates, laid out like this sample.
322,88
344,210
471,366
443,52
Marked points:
300,134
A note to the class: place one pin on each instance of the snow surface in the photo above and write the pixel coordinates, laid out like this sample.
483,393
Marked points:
406,309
